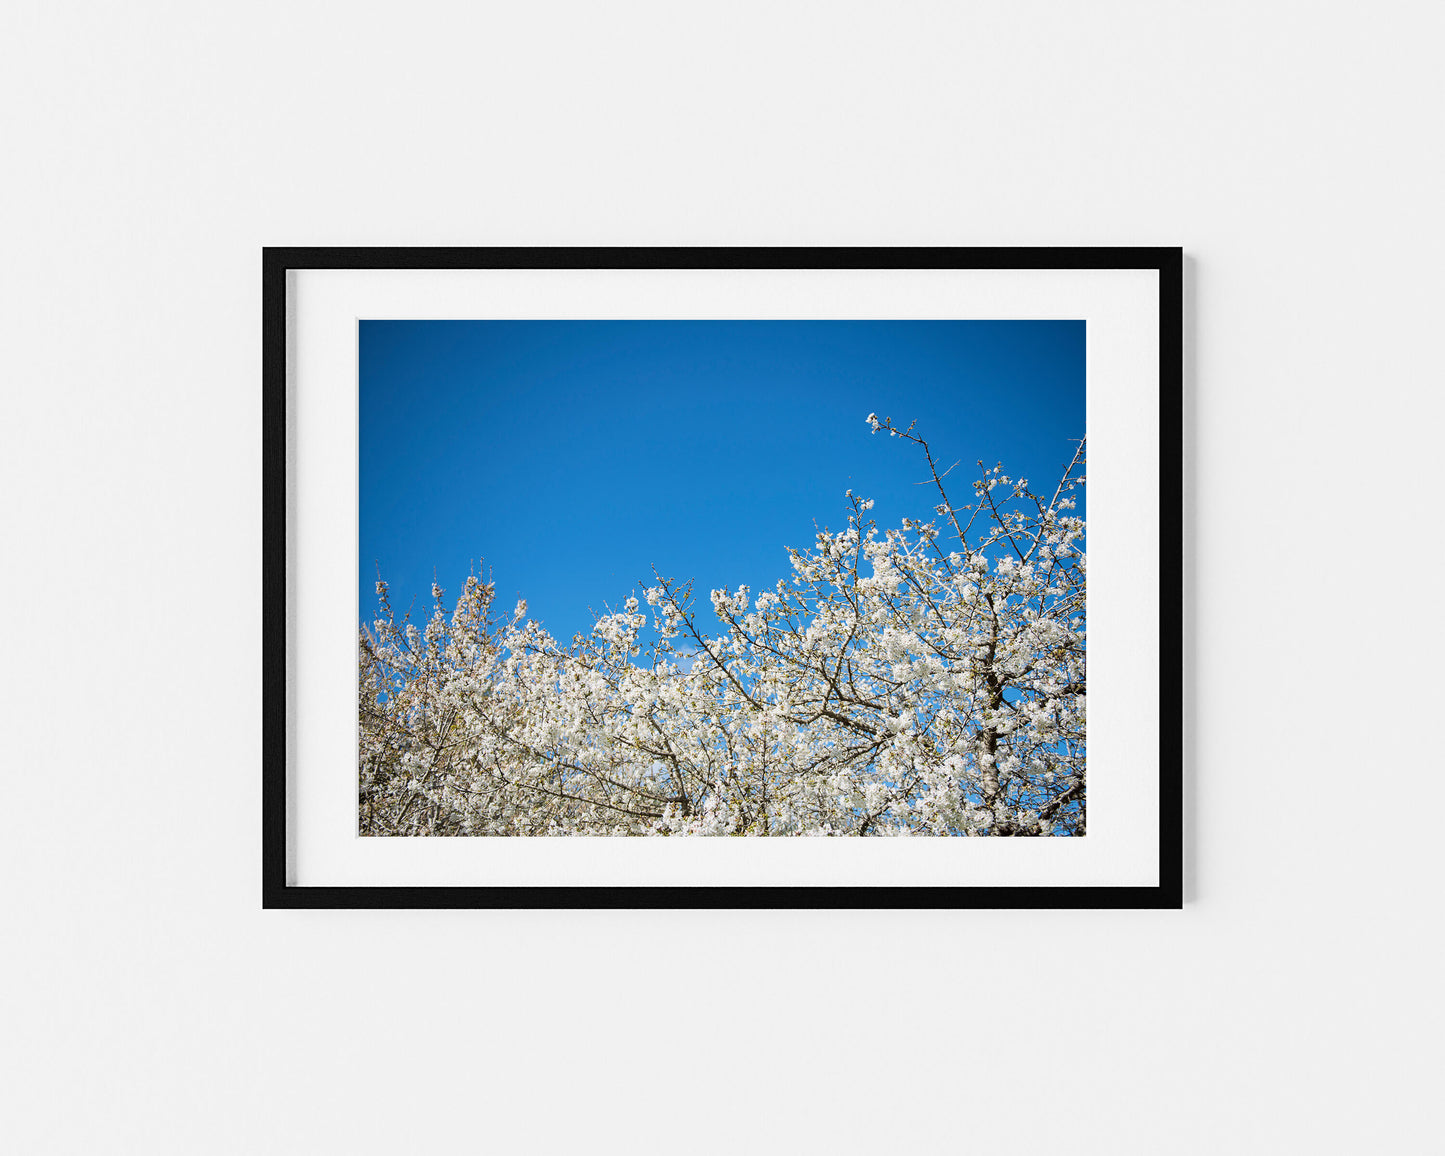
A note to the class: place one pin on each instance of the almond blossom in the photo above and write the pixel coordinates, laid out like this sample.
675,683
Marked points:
924,680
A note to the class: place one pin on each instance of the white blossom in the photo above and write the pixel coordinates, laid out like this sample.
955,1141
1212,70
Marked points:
893,687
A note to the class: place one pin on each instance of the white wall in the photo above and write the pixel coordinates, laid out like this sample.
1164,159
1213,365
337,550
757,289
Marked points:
151,149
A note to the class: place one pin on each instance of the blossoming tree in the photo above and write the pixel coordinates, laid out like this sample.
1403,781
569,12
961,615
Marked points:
925,680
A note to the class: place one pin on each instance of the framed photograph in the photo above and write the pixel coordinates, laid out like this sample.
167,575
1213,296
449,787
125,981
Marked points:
742,577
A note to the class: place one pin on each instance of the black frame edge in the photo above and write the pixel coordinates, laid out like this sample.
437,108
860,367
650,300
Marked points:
276,893
1171,578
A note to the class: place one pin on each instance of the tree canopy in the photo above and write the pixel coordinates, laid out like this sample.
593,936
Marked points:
922,680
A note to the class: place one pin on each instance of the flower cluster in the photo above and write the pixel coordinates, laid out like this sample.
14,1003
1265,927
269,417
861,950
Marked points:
927,680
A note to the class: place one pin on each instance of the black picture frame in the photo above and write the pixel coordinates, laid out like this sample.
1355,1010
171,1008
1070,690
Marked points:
277,892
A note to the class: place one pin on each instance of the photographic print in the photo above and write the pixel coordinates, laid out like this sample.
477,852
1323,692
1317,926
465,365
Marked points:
722,578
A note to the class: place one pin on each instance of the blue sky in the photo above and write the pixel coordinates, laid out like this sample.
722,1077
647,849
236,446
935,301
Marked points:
570,457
